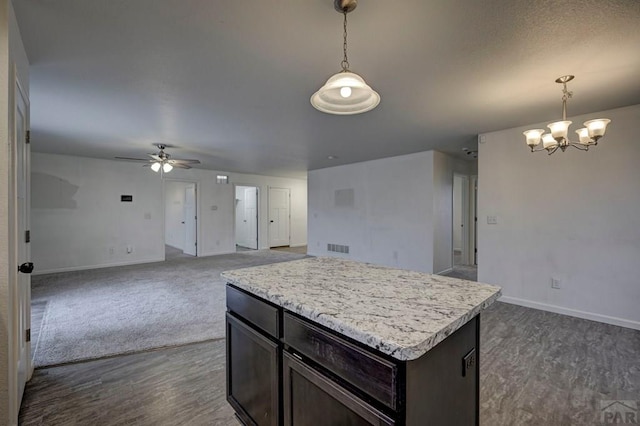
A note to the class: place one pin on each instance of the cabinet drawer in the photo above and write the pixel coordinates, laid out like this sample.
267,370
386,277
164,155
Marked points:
373,375
254,311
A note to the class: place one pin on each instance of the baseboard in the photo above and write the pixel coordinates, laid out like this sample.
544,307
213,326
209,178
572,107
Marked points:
216,253
100,266
572,312
297,245
446,271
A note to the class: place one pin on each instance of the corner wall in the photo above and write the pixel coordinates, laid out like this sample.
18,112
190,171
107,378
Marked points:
574,216
394,211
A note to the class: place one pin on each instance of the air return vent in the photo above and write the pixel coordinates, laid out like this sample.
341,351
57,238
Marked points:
337,248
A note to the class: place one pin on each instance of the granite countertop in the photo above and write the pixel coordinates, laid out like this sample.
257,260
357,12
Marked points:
401,313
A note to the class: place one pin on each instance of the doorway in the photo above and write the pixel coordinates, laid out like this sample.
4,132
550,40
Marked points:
460,220
246,217
279,216
180,218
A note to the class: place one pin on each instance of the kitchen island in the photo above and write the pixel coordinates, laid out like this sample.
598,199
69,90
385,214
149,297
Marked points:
332,341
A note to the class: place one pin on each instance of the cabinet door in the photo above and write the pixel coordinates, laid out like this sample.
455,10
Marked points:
310,399
252,374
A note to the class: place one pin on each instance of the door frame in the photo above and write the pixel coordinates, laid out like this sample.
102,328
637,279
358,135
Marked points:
258,211
473,220
465,216
14,334
164,211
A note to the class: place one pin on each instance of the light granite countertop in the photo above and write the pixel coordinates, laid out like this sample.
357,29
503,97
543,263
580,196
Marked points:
400,313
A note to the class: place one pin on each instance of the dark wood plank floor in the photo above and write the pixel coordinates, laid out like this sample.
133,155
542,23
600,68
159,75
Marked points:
177,386
537,368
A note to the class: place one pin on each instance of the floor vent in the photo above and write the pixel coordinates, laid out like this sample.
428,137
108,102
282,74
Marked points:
337,248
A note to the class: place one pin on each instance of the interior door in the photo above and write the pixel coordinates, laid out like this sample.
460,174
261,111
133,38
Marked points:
279,199
22,344
190,220
251,217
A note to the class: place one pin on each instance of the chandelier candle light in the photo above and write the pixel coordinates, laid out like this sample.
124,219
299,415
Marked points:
345,93
558,137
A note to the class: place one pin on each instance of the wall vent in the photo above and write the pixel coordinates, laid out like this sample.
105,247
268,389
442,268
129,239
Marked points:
337,248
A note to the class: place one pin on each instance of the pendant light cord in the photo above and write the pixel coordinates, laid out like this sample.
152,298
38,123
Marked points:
345,61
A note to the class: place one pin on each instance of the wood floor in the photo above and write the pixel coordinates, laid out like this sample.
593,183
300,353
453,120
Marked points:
537,368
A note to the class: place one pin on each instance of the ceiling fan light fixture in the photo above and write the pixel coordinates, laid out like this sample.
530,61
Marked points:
345,93
166,167
156,167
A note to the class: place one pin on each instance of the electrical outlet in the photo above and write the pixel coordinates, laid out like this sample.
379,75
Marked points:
555,283
129,249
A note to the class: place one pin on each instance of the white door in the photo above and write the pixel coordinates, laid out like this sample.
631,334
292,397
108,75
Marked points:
22,324
250,217
279,217
241,223
190,220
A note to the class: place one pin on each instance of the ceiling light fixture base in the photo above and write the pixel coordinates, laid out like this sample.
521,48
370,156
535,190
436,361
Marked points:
345,6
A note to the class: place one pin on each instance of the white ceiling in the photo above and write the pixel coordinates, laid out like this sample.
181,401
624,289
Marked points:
228,82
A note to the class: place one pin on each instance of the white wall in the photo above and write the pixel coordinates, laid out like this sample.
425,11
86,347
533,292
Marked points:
298,211
76,225
574,216
443,168
12,54
400,214
174,229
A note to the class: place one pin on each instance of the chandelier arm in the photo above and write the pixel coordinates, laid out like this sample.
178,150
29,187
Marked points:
537,150
579,146
554,149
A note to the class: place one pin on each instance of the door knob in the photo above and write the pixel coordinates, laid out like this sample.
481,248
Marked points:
26,268
271,221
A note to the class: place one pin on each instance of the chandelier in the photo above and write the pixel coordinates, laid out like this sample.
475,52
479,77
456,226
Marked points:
345,93
589,135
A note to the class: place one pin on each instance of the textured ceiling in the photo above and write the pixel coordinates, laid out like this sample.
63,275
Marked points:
228,82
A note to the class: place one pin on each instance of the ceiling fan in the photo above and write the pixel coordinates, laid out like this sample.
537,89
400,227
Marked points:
162,160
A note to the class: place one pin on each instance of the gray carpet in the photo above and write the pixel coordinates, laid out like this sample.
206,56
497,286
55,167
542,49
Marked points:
103,312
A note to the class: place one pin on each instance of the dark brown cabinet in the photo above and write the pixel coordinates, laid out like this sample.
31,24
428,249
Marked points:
310,399
252,374
283,369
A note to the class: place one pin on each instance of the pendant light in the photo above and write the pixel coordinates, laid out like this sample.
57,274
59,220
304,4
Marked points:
345,93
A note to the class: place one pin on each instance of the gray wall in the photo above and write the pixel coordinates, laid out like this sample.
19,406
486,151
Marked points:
574,216
77,216
394,211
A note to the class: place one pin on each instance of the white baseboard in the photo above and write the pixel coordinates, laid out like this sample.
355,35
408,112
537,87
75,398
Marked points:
216,253
298,245
99,266
446,271
572,312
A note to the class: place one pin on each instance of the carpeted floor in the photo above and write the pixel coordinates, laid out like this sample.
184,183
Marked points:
103,312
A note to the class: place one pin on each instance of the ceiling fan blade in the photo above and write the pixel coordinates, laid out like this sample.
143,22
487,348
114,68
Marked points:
181,161
132,159
156,157
181,166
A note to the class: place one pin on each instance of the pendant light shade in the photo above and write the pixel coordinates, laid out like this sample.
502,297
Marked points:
345,93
